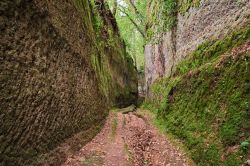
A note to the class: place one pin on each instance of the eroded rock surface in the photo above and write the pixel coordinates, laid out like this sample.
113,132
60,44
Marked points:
54,81
213,19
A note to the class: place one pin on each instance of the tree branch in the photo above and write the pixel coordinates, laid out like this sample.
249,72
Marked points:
135,9
115,7
133,22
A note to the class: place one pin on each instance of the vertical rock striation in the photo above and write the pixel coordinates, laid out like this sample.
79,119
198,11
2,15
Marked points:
57,77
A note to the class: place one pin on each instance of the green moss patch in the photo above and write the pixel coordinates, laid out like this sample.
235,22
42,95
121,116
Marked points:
162,17
185,5
210,50
206,105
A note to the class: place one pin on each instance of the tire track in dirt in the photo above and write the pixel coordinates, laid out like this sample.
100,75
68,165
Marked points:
128,140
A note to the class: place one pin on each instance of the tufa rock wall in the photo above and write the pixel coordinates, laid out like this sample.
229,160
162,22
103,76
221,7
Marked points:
212,19
57,78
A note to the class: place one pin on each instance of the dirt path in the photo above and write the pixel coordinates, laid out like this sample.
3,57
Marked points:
128,140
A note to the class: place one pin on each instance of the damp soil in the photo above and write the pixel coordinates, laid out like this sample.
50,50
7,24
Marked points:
128,139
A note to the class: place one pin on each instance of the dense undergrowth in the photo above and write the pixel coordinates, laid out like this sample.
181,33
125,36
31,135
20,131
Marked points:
206,104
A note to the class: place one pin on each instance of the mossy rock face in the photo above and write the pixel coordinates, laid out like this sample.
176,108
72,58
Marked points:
210,50
185,5
115,70
206,103
57,77
162,16
197,24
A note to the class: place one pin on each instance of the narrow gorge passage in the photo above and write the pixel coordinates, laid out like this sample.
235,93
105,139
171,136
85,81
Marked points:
65,63
128,139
